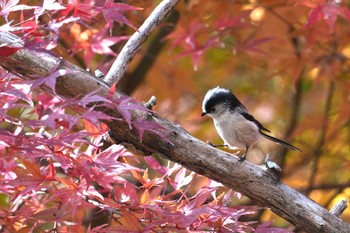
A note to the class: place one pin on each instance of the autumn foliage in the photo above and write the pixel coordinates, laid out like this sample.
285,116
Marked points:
59,169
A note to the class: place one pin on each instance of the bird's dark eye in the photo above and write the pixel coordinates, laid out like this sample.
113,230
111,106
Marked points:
212,110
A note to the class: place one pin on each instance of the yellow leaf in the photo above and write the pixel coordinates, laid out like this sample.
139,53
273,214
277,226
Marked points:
144,197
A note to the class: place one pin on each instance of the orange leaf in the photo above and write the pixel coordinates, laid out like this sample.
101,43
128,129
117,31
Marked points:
130,220
137,176
90,127
111,90
32,168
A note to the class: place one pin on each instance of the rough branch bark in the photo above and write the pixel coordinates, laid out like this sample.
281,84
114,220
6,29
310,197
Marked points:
131,47
192,153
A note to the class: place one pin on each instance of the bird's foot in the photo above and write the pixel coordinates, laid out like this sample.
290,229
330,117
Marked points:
241,159
211,144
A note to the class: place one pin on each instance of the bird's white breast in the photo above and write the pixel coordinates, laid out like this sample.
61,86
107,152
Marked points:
235,130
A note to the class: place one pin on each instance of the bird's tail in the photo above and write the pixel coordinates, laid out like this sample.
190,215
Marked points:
278,141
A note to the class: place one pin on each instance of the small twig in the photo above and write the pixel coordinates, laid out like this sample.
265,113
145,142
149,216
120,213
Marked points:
283,19
339,208
295,113
151,102
99,74
131,47
273,168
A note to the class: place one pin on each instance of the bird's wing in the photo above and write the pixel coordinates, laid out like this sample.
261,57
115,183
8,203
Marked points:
250,117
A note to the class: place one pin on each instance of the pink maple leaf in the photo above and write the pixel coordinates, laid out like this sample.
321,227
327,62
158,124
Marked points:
198,50
181,179
124,104
192,42
50,80
94,117
88,99
228,22
154,164
101,45
186,38
197,200
142,125
77,10
21,91
328,12
112,11
48,5
252,45
10,6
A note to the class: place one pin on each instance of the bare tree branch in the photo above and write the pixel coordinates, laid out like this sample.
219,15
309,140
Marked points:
319,147
295,111
179,146
120,65
339,208
150,54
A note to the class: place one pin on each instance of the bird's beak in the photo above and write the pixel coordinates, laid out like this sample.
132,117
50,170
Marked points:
204,113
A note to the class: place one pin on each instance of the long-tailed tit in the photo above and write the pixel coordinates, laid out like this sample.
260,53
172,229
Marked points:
235,125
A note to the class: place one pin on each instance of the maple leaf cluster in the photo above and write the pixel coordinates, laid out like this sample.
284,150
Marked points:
54,174
225,31
41,26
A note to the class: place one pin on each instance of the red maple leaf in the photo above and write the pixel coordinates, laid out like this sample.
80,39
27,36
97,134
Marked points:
19,91
253,45
50,80
143,125
6,51
77,10
48,5
329,12
193,41
97,43
112,90
198,50
113,11
186,38
228,22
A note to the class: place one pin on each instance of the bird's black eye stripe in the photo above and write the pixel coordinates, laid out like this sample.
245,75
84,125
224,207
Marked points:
212,110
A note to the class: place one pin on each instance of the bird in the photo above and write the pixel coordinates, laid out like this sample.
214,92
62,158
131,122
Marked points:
236,126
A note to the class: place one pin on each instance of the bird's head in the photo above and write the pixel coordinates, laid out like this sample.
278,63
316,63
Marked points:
217,101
